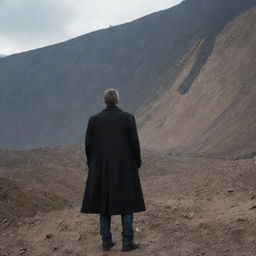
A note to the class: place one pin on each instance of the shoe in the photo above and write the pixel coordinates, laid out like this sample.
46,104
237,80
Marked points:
130,245
106,246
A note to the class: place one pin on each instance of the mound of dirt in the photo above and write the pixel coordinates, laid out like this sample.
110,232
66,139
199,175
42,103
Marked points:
20,199
42,179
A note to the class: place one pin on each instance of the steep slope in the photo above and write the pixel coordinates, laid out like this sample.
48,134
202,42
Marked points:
47,94
217,115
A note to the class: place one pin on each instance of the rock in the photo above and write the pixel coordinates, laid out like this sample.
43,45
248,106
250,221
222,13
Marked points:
253,207
34,222
49,235
188,215
253,197
176,223
81,237
241,219
60,222
22,251
5,221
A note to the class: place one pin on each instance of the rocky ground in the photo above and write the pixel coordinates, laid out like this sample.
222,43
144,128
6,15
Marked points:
195,206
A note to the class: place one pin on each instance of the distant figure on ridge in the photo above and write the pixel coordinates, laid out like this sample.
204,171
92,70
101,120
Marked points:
113,157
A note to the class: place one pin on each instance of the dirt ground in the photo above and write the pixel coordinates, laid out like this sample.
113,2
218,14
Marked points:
195,206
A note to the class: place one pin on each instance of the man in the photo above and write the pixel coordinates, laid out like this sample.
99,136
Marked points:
113,157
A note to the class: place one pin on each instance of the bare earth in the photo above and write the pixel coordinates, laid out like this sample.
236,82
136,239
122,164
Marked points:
195,206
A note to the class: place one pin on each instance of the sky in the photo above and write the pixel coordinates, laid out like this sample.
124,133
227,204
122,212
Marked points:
30,24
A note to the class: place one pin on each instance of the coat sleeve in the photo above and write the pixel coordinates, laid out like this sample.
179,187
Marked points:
134,140
88,140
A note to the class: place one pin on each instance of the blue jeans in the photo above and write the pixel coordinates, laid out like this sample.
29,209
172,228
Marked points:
127,225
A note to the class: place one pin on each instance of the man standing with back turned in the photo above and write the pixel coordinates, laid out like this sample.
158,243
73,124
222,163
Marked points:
113,157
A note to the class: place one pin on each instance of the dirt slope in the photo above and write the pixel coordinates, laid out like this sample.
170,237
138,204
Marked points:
217,115
195,206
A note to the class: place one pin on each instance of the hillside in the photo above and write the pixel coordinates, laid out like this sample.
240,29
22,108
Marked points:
217,116
47,94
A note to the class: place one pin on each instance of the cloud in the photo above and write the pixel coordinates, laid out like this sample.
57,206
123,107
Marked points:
93,15
29,24
26,24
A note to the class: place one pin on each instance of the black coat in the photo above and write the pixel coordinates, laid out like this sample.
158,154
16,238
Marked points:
113,156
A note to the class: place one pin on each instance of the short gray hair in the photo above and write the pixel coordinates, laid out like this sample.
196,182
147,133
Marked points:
111,96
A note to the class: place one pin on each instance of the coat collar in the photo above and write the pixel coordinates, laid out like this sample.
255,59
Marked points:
111,108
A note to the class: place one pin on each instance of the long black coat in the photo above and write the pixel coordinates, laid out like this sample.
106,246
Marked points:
113,156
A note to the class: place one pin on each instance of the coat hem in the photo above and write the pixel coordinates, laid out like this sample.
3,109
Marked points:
111,213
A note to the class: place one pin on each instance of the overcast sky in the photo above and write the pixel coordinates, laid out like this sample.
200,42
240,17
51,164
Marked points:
29,24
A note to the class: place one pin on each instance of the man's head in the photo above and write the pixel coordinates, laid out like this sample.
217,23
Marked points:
111,97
